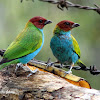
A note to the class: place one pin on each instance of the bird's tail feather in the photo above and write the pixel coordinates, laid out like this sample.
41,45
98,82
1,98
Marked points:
3,65
81,64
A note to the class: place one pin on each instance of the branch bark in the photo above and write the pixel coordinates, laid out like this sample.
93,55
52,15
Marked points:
40,86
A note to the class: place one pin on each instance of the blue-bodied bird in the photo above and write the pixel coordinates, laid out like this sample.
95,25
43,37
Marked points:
27,44
64,46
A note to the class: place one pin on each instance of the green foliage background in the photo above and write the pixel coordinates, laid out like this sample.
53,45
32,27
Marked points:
14,15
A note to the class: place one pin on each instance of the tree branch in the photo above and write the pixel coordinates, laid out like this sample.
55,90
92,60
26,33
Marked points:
41,86
93,70
42,66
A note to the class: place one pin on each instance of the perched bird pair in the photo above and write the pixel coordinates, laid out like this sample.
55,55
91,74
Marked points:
30,41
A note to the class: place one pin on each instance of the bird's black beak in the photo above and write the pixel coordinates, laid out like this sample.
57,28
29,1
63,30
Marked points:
75,25
47,22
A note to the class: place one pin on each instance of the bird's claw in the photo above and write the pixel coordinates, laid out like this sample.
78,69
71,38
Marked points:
32,72
26,68
61,66
17,67
68,72
49,64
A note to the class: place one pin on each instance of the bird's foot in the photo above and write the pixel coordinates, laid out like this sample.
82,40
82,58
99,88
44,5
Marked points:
18,66
32,72
49,63
68,72
61,66
26,68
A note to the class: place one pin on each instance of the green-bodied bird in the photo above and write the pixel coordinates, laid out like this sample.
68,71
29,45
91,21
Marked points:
27,44
64,46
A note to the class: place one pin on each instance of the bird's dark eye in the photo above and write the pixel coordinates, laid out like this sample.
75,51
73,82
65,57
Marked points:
40,21
67,23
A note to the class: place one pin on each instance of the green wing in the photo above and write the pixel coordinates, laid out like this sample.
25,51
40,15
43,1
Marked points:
76,48
26,42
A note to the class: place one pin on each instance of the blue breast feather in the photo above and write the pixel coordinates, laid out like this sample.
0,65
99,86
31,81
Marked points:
30,56
62,48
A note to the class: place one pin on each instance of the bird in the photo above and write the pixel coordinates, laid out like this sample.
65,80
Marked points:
27,44
64,46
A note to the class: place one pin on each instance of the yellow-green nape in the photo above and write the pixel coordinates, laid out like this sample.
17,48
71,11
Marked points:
56,30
